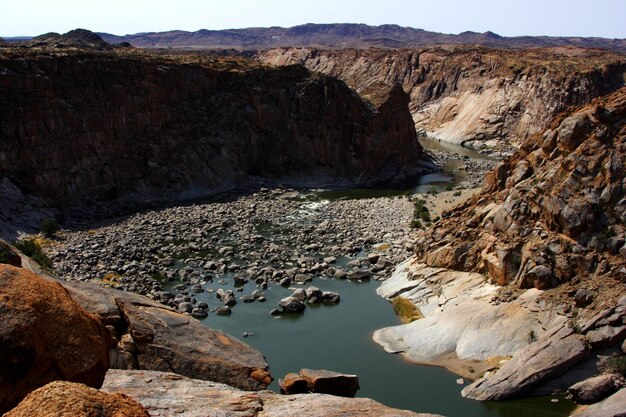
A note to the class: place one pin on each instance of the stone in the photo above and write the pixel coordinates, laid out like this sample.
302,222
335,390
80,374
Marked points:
550,356
303,278
223,311
313,294
45,336
594,389
330,297
292,305
166,394
328,382
293,384
583,298
199,313
65,399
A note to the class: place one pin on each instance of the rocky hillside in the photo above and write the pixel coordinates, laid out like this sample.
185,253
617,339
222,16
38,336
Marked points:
80,126
342,35
473,95
552,215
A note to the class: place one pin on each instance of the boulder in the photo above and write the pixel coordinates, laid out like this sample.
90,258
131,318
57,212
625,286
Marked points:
166,394
292,305
583,298
293,384
168,341
328,382
45,336
593,389
550,356
613,406
68,399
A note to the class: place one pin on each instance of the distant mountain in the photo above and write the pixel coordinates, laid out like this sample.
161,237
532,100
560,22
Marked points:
80,38
346,35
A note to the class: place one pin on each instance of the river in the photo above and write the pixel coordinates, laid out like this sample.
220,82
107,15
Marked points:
339,337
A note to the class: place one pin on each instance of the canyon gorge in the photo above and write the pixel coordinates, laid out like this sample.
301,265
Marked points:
187,184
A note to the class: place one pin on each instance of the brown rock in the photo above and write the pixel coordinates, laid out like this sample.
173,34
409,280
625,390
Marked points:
606,336
166,394
67,399
45,336
594,389
168,341
293,384
613,406
329,382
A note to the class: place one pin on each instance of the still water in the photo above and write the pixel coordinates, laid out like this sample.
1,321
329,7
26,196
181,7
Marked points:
339,337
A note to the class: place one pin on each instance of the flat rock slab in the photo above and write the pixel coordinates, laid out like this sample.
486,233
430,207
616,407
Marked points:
166,394
550,356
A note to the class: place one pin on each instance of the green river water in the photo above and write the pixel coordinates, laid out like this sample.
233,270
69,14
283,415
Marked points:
339,337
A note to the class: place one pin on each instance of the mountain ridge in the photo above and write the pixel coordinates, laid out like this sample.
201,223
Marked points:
347,35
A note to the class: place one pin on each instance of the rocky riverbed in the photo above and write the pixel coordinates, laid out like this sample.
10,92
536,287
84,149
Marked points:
267,238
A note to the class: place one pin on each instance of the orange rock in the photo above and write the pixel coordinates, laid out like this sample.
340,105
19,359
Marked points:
45,336
68,399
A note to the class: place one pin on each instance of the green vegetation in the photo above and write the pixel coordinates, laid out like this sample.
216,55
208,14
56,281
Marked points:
49,227
420,214
532,337
32,249
406,310
616,365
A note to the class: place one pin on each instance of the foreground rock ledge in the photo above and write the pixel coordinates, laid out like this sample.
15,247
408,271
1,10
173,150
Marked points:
164,394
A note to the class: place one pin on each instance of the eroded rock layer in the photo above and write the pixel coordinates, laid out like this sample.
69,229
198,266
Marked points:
473,94
79,126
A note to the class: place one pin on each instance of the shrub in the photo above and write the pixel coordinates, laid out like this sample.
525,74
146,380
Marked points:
32,249
615,365
49,227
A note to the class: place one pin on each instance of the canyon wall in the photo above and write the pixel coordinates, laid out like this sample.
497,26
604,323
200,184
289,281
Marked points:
80,126
473,95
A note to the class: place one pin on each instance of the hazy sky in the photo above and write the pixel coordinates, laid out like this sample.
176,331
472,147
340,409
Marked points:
606,18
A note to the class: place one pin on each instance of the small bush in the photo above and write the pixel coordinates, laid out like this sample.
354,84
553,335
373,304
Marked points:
616,365
49,227
449,187
32,249
406,310
416,224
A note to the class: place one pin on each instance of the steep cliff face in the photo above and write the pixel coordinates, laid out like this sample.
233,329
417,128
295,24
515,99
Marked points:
554,213
80,126
473,95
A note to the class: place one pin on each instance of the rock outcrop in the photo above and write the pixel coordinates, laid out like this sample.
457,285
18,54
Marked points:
45,336
552,214
166,394
84,126
67,399
552,355
460,320
473,95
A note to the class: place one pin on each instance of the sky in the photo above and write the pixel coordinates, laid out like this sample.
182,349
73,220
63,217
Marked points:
604,18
